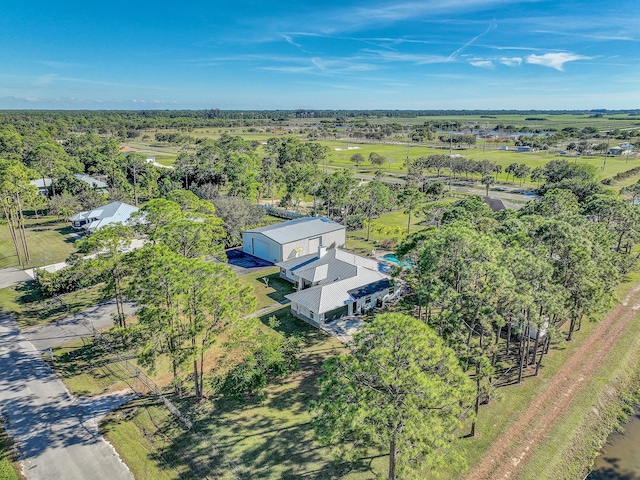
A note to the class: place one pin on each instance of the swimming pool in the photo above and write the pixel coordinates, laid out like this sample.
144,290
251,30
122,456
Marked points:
391,258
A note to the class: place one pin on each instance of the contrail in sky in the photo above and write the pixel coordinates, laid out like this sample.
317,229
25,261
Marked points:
491,26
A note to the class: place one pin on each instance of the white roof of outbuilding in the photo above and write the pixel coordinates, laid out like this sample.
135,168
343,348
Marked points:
94,182
298,229
41,182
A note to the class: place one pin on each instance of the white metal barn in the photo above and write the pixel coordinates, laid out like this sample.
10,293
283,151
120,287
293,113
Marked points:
287,240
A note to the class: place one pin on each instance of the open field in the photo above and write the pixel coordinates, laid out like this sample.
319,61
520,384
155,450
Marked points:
398,150
390,227
49,240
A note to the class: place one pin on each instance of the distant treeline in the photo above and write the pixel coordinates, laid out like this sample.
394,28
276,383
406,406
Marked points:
124,123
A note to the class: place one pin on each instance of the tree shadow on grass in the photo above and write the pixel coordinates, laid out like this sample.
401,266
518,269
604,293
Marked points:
281,287
144,426
262,448
269,436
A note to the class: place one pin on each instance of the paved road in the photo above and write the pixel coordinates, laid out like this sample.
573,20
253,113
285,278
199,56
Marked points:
57,434
12,276
76,326
458,188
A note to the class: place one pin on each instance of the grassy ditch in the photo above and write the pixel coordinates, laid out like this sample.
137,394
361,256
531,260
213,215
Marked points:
605,401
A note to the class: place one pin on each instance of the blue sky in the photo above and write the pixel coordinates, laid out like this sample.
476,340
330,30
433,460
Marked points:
444,54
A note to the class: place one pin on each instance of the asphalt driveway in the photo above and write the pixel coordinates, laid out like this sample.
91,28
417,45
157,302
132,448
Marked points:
12,276
242,263
57,434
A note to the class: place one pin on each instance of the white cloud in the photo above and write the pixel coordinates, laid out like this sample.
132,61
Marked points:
481,63
554,60
511,61
290,40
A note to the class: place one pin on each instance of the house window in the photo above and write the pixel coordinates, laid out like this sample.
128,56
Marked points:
311,316
391,292
367,300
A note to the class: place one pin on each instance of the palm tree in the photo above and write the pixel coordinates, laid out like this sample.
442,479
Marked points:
487,181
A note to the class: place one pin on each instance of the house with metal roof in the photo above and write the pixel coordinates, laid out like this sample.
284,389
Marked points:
293,239
92,182
44,184
92,220
333,283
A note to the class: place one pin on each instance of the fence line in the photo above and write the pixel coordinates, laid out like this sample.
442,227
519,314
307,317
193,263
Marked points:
143,378
281,212
153,387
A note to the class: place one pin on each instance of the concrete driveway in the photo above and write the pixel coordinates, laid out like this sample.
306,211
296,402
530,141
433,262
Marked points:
343,328
57,434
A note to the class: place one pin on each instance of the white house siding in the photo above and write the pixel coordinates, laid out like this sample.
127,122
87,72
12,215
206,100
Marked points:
307,246
248,240
304,314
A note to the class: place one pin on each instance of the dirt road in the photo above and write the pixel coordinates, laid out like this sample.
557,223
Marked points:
510,451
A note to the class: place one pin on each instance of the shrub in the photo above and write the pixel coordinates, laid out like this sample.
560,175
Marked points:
275,357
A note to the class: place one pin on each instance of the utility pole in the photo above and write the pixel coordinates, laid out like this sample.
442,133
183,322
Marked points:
604,163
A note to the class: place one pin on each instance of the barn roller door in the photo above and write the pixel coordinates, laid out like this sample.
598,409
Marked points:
261,249
314,243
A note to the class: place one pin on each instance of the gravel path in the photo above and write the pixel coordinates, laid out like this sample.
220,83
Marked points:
511,450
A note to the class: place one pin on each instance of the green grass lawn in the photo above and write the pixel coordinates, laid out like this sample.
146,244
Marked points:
8,466
29,310
267,438
271,437
48,238
165,159
273,293
391,226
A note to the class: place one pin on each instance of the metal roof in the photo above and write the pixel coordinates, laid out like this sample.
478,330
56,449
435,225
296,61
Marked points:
298,229
332,257
326,297
111,213
94,182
